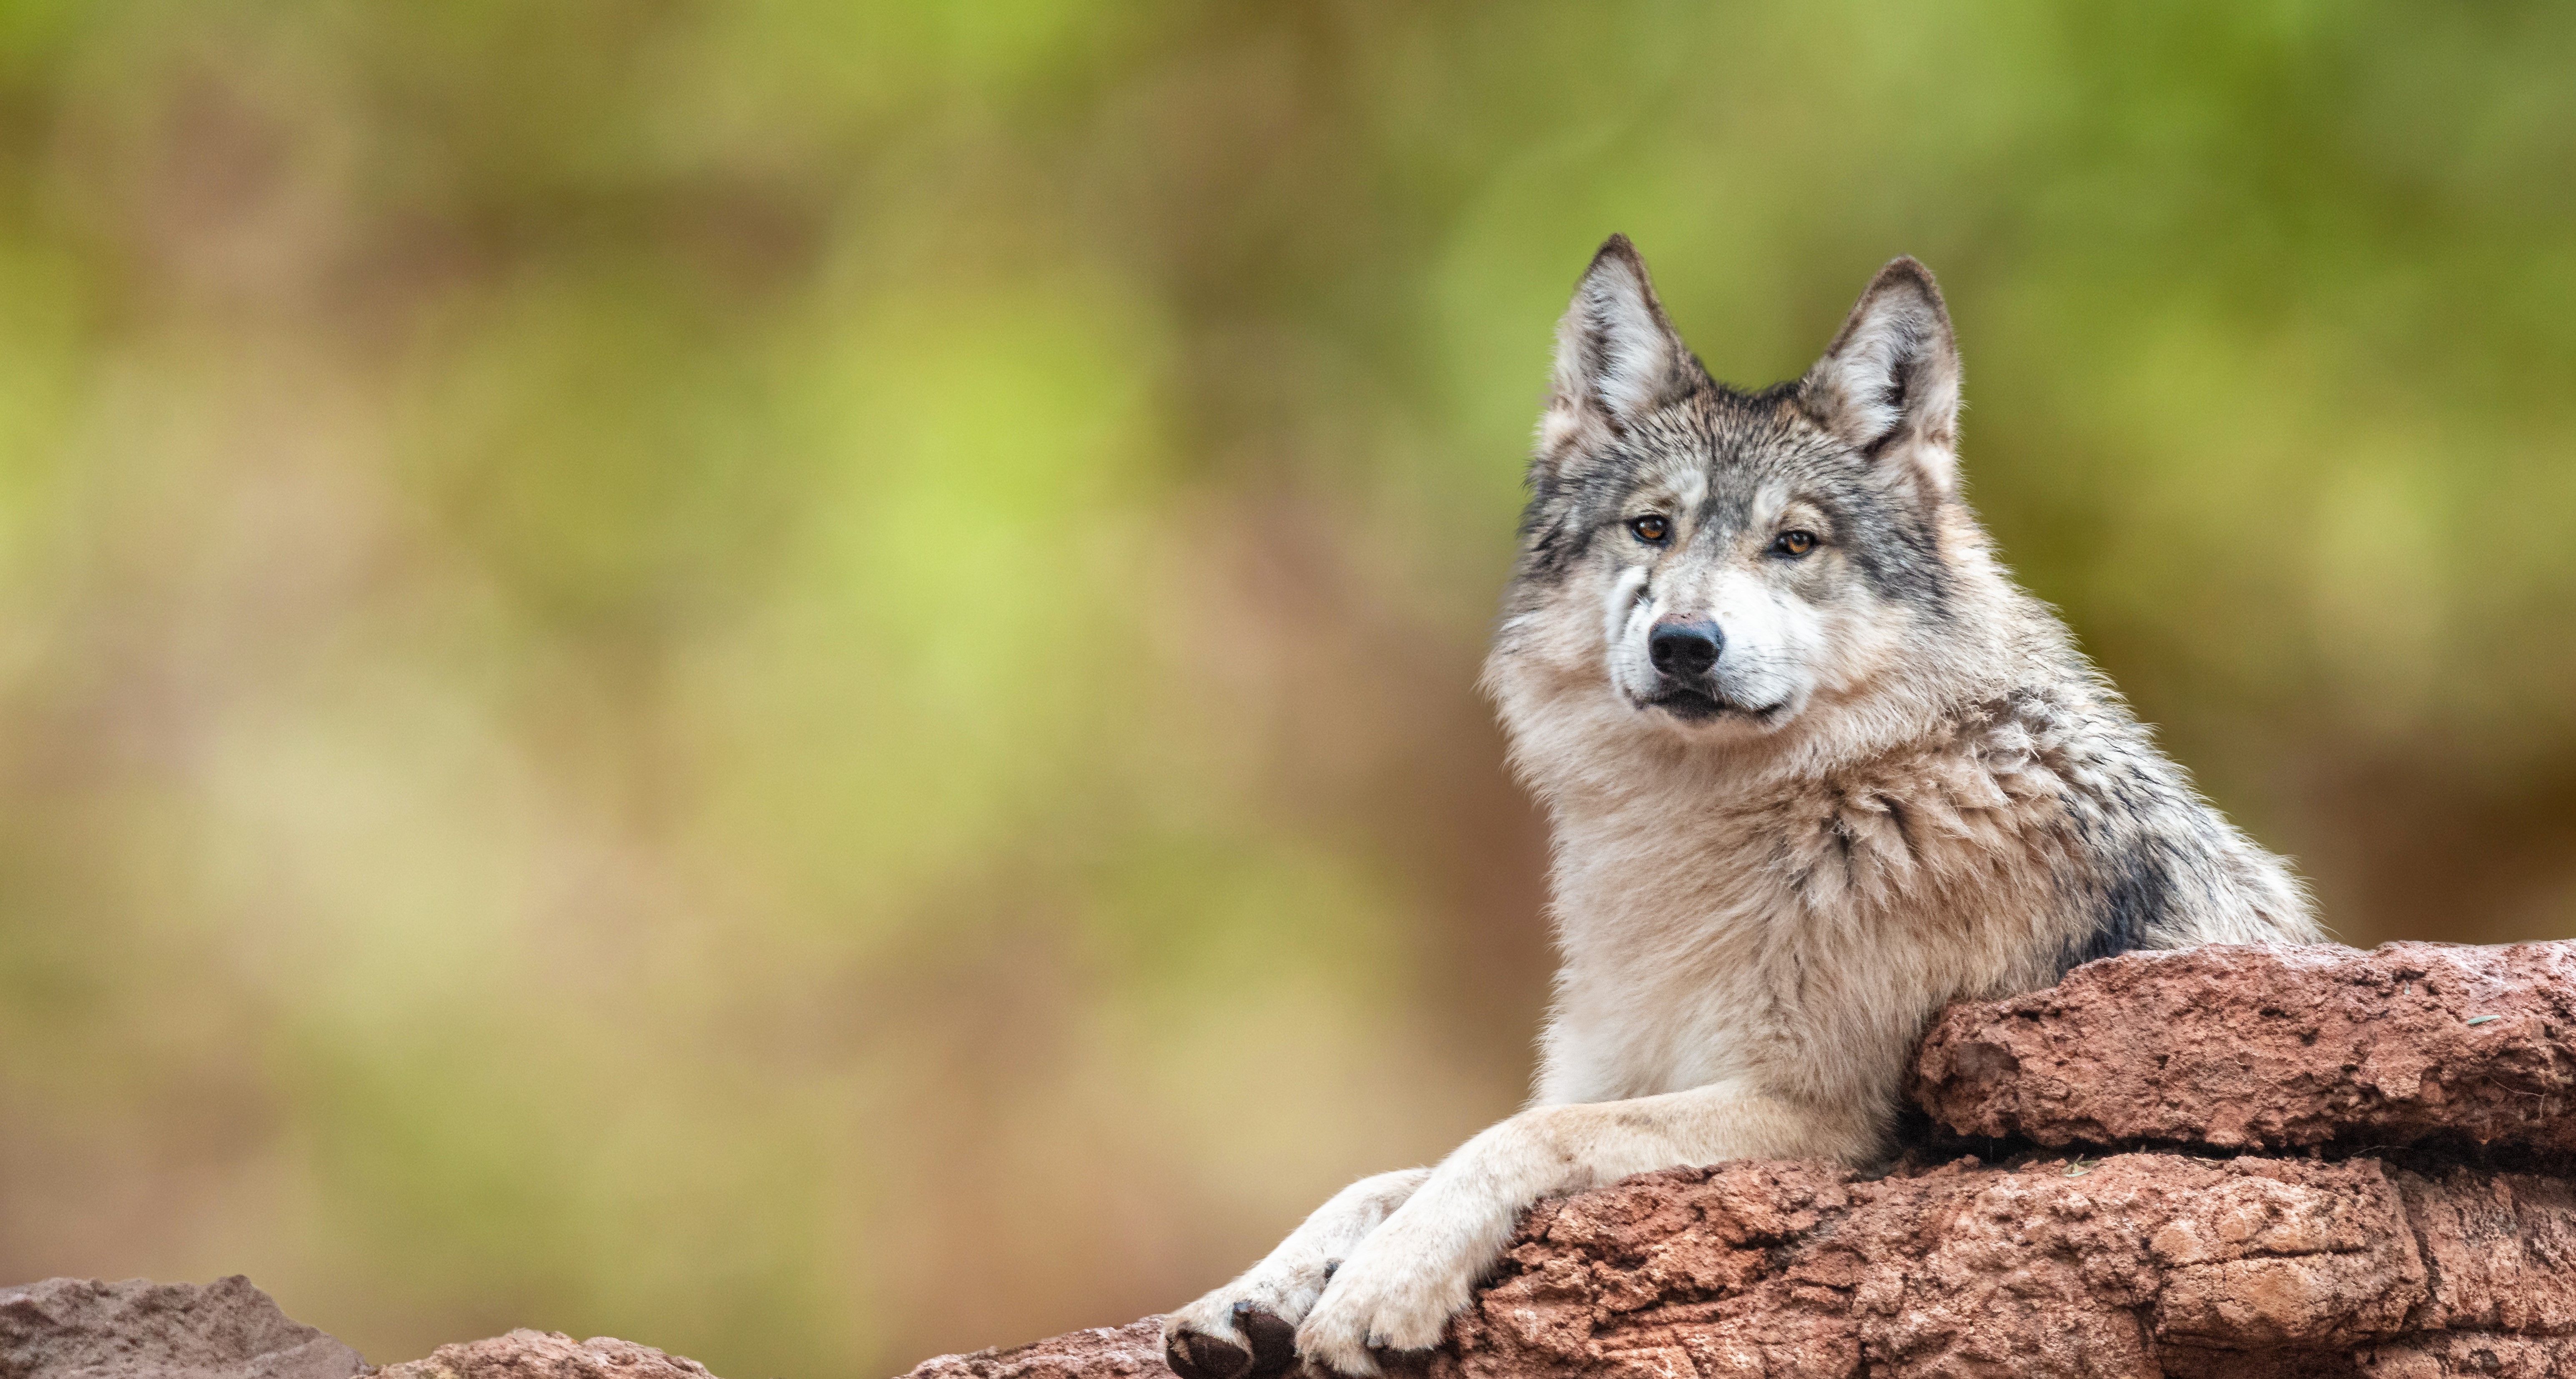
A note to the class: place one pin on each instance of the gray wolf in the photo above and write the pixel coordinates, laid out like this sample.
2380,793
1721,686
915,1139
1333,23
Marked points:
1815,766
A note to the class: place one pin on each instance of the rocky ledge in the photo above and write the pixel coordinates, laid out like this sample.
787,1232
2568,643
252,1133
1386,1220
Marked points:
2219,1164
2273,1049
78,1328
2232,1161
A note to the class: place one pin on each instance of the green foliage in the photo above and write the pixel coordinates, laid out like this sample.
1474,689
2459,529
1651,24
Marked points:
796,679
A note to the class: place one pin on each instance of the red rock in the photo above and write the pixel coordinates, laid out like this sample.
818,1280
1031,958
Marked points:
79,1328
2138,1264
2490,1357
2135,1265
1099,1353
2272,1048
525,1354
73,1328
2121,1267
2341,1266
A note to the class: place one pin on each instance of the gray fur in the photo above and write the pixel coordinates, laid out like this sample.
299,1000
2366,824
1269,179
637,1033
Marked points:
1894,783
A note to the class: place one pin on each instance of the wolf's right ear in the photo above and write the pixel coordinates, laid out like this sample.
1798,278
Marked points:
1889,384
1617,357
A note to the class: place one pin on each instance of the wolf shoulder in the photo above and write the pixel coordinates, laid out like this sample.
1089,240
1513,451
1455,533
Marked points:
2148,862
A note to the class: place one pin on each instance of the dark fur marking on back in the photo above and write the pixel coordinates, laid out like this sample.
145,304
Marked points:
2141,889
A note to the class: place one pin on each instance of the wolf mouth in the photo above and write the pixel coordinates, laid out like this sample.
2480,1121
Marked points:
1699,706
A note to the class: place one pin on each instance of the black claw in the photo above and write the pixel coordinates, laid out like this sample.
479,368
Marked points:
1196,1355
1274,1341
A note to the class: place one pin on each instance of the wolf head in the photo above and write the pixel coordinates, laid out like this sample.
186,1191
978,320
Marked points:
1718,566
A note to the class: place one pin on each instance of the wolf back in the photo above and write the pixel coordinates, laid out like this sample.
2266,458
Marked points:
1814,766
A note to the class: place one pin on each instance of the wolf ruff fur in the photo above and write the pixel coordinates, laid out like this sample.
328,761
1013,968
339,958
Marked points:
1815,766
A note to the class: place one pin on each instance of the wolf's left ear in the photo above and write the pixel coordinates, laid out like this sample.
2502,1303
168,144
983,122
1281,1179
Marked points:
1889,384
1618,359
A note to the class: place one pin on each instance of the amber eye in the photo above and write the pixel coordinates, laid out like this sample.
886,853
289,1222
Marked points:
1794,543
1651,528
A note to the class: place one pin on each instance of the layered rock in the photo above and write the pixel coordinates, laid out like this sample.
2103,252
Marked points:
2134,1265
526,1354
2217,1164
2272,1048
1098,1353
77,1328
2422,1224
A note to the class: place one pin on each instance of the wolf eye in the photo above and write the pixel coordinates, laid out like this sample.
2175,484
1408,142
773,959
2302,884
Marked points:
1794,543
1651,528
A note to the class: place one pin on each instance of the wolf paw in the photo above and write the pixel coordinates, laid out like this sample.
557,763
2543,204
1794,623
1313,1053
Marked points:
1390,1303
1245,1330
1248,1328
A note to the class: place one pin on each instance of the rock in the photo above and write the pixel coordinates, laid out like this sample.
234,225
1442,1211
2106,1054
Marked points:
2131,1266
1134,1349
2135,1265
2397,1246
525,1354
70,1328
2272,1048
2408,1252
2491,1357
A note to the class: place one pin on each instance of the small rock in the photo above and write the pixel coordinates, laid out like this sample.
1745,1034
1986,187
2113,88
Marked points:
525,1354
77,1328
2270,1047
1136,1348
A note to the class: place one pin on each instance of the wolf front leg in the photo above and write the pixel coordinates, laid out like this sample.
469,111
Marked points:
1247,1329
1398,1288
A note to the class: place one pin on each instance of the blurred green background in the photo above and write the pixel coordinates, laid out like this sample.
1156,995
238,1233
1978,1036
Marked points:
796,680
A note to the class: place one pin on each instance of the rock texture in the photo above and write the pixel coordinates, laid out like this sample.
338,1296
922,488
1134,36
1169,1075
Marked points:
2135,1265
2308,1163
73,1328
525,1354
2339,1165
2272,1048
77,1328
1133,1349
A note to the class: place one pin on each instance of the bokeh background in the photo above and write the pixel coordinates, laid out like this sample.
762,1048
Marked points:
796,679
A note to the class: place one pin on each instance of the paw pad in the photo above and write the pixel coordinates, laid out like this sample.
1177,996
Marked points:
1274,1341
1197,1355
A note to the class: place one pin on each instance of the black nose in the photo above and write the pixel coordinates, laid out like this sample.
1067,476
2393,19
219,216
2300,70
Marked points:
1685,649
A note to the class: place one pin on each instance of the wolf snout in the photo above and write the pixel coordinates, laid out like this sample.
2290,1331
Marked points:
1685,650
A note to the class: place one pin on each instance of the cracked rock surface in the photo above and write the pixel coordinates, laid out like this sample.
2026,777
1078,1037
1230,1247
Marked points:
2311,1163
77,1328
2272,1048
2218,1164
525,1354
2139,1264
2135,1265
1104,1351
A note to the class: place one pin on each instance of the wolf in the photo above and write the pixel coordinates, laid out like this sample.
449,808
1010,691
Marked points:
1814,766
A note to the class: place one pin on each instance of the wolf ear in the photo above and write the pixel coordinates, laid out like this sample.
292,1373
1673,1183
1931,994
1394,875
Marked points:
1889,384
1617,357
